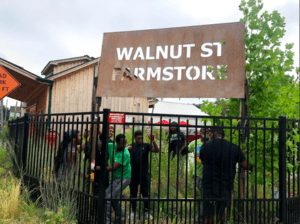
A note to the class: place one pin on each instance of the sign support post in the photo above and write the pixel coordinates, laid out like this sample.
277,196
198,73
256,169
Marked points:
1,114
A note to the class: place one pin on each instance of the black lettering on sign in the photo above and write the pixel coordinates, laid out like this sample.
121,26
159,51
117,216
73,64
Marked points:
3,75
3,82
5,89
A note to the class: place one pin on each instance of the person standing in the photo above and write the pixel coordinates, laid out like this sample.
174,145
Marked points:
67,154
176,139
140,175
110,135
219,158
195,147
121,176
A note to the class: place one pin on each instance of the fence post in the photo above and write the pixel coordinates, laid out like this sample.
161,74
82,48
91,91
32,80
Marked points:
101,196
25,141
282,170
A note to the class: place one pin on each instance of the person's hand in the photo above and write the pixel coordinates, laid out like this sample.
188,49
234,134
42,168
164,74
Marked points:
129,147
98,167
151,137
182,148
93,165
88,139
100,144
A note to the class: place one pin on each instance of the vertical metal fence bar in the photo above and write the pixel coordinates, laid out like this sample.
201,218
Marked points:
298,172
101,197
131,163
34,143
15,147
289,135
159,172
150,169
272,170
85,187
52,150
282,170
29,147
43,151
79,176
294,176
247,176
178,170
168,182
140,196
36,148
239,208
255,192
264,170
186,169
196,203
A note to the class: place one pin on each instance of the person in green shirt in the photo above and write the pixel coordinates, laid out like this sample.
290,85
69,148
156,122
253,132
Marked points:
121,176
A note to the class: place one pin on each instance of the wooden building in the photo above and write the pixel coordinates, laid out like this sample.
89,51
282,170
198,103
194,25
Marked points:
67,87
73,86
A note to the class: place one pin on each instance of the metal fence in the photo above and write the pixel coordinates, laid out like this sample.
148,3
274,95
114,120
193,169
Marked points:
173,192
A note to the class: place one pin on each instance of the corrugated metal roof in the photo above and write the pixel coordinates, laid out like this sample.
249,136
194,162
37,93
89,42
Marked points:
163,107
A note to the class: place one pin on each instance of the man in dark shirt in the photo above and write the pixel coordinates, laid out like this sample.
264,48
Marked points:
219,158
139,152
177,140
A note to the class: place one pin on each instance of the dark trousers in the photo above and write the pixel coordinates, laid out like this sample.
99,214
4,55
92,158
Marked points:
144,182
211,207
94,203
173,152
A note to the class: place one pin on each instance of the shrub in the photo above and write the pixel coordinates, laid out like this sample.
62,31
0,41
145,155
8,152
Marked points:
9,197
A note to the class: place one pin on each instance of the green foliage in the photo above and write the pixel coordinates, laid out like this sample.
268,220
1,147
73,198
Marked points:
270,87
271,90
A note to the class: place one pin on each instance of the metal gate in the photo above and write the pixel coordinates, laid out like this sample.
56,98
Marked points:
173,183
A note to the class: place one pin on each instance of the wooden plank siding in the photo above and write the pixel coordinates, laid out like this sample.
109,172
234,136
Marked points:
73,92
63,66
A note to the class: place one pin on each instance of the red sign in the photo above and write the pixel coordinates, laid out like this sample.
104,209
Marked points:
7,83
116,118
32,110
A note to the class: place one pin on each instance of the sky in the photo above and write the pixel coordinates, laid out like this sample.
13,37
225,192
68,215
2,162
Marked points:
36,32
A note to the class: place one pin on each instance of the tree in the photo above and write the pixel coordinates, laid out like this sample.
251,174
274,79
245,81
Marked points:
271,90
267,66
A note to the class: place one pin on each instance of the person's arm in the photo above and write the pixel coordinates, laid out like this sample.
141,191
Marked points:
115,166
183,142
155,146
80,148
246,165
